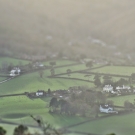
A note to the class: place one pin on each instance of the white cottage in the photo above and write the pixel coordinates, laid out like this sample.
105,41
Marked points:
107,88
15,71
106,109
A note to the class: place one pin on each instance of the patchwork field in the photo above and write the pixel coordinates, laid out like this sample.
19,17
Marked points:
18,109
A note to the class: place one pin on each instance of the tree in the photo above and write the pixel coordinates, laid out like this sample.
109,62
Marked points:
10,67
41,73
128,105
89,64
49,91
107,80
132,78
2,131
97,82
110,102
52,71
88,76
95,110
52,63
53,104
20,130
68,72
101,98
121,82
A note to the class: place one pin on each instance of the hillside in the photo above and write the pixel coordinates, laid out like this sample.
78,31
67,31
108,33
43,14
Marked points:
31,25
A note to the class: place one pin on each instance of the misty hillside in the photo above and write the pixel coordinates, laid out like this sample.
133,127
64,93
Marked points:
83,26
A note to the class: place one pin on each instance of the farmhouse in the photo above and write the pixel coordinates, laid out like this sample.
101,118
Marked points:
107,88
123,88
38,65
107,109
15,71
39,93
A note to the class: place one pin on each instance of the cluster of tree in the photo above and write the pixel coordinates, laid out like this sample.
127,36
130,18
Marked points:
85,103
128,105
89,64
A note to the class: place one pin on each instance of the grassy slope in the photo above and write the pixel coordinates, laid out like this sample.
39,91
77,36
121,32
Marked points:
121,125
17,109
32,82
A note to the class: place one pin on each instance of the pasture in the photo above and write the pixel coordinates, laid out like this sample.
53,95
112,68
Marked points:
119,100
119,70
120,125
14,61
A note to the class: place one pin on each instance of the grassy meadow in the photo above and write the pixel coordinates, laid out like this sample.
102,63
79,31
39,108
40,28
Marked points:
119,100
120,125
119,70
15,62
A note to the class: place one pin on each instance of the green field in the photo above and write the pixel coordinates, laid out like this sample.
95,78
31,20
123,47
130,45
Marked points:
2,78
79,76
119,70
17,109
119,100
32,82
120,125
15,62
73,68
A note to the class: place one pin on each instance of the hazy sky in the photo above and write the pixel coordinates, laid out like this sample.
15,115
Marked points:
30,21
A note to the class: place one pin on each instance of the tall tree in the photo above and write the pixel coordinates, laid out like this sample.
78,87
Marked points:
52,63
20,130
41,73
2,131
89,64
97,81
52,71
68,72
53,104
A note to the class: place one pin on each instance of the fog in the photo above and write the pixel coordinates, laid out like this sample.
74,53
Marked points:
29,23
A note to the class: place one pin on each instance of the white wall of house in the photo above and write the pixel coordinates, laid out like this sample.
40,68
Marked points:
107,88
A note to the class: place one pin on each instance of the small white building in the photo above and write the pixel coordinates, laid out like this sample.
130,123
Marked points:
15,71
40,93
107,88
106,109
38,65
